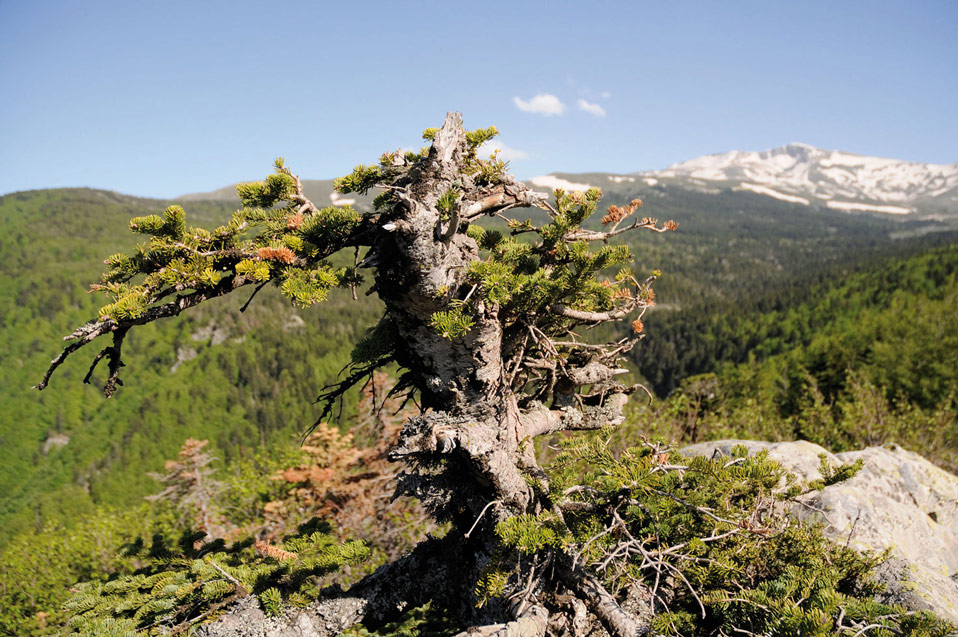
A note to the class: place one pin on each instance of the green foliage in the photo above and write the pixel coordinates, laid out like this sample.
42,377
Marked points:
876,320
272,601
377,345
488,172
453,323
67,452
251,269
266,194
480,136
834,475
447,203
532,533
330,225
38,569
176,587
151,224
844,364
130,301
360,180
308,287
706,537
524,279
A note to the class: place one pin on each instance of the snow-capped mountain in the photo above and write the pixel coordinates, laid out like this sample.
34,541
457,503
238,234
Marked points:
797,173
804,174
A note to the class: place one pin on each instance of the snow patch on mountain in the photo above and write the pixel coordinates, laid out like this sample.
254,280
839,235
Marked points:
338,200
552,182
806,171
763,190
851,206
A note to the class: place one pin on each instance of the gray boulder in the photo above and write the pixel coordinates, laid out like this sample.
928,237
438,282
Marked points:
898,501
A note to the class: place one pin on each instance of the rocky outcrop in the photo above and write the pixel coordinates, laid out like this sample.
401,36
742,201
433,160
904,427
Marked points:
898,501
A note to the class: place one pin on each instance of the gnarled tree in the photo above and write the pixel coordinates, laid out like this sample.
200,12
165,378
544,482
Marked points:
486,327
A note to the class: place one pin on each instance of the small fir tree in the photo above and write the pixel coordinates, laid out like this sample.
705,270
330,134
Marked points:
190,487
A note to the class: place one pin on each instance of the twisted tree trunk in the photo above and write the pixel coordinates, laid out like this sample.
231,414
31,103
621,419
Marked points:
472,446
499,375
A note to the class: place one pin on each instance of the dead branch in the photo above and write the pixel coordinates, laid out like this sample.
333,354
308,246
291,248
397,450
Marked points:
540,420
91,330
590,590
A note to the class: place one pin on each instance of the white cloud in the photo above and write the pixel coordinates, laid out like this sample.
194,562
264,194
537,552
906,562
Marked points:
541,104
606,95
505,152
591,107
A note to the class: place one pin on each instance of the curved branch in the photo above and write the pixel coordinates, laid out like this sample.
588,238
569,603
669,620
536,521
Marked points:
91,330
595,317
595,235
306,207
512,195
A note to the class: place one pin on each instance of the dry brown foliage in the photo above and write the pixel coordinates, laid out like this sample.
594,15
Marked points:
191,488
351,485
283,255
275,552
618,213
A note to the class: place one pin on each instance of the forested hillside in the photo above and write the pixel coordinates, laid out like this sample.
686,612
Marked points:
865,356
770,319
255,373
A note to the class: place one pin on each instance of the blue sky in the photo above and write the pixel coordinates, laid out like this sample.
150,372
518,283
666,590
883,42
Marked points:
164,98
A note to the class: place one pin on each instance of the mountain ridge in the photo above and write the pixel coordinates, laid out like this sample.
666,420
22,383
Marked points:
797,173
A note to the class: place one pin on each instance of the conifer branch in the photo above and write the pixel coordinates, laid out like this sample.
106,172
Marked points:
85,334
240,589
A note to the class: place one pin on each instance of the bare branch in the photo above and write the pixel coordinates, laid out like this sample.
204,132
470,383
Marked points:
595,317
113,354
593,235
253,295
90,331
511,195
600,601
541,420
306,207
